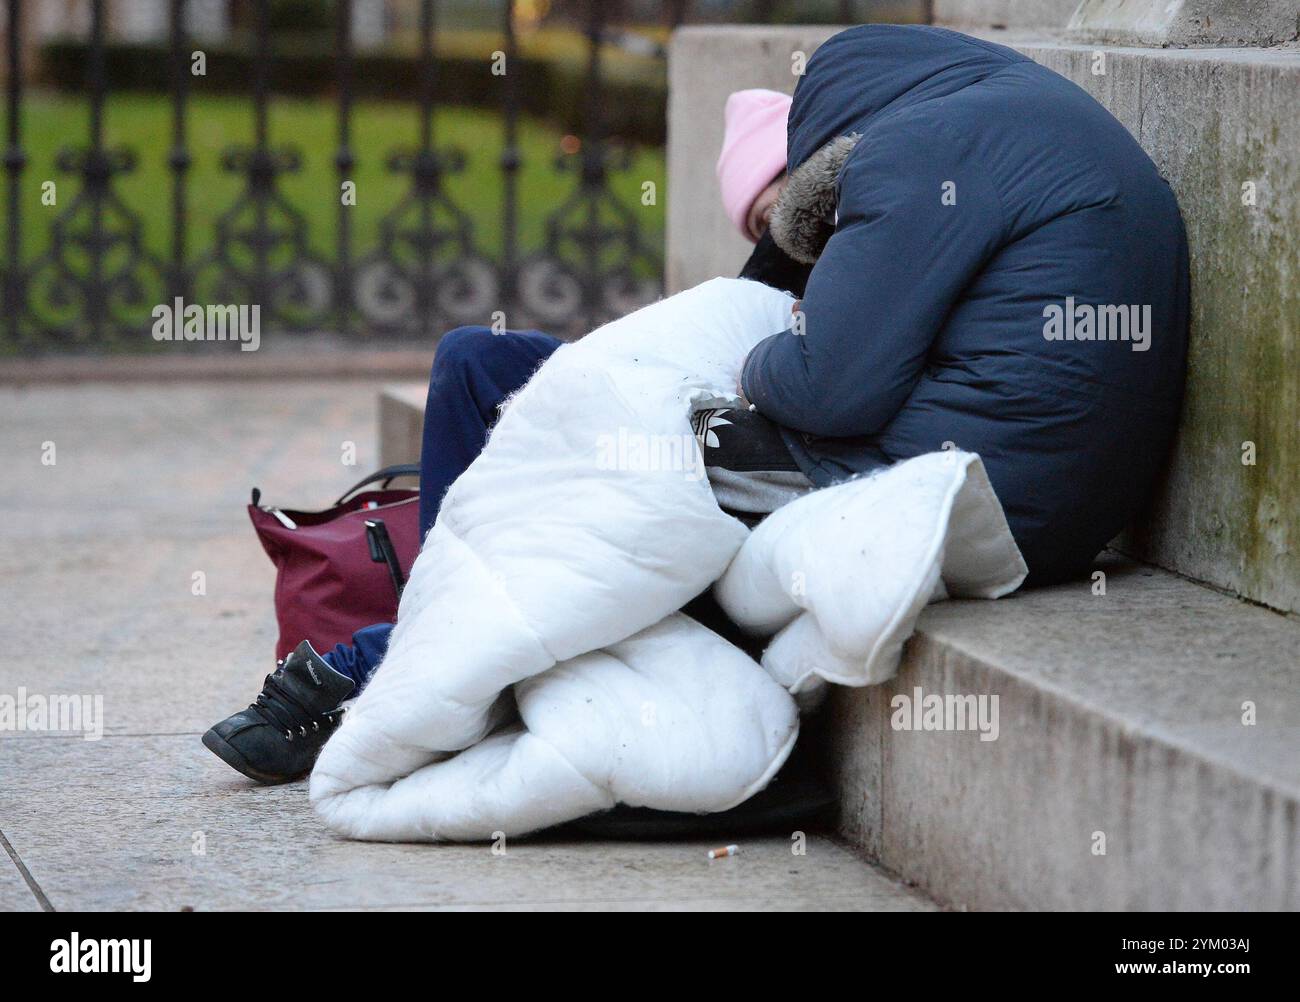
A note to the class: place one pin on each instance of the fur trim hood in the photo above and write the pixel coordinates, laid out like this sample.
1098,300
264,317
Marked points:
803,218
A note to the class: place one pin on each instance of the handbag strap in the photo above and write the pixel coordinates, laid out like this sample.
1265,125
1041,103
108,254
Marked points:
382,551
387,475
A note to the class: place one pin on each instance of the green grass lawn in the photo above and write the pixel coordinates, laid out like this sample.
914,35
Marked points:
52,122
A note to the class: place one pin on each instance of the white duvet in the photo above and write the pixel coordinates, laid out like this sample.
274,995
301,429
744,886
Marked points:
539,670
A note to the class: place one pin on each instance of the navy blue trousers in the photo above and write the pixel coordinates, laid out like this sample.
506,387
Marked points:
474,371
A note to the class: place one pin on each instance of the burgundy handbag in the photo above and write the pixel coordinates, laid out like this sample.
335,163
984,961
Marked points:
343,568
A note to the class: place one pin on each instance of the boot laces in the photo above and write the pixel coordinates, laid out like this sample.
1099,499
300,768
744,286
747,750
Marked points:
278,706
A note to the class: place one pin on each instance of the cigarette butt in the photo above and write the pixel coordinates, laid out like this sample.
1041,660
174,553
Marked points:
726,850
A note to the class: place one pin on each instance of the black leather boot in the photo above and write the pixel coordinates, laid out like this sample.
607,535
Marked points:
277,739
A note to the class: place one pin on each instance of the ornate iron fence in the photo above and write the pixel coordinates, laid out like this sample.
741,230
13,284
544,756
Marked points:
96,283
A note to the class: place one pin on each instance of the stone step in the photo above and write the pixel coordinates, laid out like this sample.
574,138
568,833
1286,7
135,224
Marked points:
1158,722
975,15
1145,22
401,422
1138,714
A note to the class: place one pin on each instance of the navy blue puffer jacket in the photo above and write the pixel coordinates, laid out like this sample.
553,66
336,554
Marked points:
1006,271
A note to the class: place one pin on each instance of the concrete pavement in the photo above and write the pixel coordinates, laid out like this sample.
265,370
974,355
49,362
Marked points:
97,580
